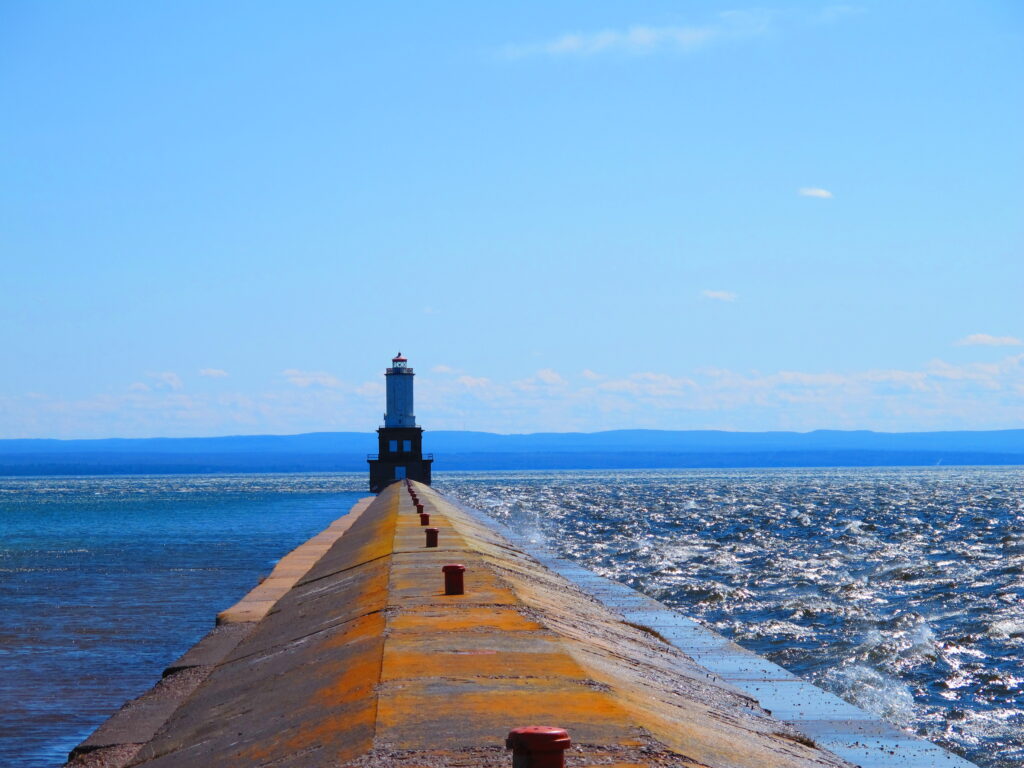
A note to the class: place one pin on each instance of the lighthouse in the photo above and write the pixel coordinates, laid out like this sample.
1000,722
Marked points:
399,386
400,441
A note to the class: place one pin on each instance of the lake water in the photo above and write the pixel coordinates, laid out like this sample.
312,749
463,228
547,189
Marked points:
900,590
105,581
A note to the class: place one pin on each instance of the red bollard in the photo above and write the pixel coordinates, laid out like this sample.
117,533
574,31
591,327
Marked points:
431,537
453,584
424,518
538,746
419,508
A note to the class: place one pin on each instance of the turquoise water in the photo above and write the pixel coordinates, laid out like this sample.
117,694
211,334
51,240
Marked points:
105,581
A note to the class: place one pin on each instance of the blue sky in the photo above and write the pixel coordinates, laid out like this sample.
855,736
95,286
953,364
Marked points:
224,218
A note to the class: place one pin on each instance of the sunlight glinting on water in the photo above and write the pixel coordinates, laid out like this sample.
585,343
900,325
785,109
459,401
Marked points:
900,590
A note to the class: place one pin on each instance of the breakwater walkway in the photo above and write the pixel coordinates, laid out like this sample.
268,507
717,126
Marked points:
352,654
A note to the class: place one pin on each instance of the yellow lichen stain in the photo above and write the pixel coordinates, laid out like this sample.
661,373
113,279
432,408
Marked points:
366,627
347,680
411,580
477,663
434,620
427,717
347,734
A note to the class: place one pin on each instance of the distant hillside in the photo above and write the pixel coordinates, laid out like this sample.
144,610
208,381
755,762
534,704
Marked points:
341,451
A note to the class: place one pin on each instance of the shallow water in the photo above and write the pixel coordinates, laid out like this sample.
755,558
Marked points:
104,581
901,590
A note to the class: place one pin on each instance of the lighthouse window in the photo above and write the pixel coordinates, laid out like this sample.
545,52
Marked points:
407,445
399,473
393,446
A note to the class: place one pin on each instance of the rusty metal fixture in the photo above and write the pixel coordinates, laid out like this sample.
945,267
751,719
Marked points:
538,746
453,580
419,508
424,518
431,537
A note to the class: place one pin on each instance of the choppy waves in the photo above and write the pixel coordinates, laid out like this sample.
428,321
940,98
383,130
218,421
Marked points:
900,590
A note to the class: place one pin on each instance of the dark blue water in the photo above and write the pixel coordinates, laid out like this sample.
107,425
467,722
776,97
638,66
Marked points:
901,590
104,581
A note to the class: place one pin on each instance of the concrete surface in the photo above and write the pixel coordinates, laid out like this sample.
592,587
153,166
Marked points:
352,655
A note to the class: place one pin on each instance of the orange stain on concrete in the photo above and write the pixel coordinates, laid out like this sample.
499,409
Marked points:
440,619
365,654
399,664
425,715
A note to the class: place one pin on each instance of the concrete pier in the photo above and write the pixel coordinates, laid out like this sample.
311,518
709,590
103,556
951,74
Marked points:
351,654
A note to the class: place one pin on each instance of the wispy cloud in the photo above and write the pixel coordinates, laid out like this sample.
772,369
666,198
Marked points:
474,382
370,389
830,14
986,340
213,373
939,395
649,384
164,412
719,295
311,378
822,194
639,39
544,379
635,39
549,376
168,379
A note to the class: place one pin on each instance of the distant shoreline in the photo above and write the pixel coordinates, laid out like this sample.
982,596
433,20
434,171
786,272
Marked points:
482,451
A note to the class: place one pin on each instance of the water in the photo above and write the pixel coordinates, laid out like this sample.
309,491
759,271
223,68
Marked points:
106,580
901,590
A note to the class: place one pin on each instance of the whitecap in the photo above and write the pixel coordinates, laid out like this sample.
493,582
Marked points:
874,691
1004,628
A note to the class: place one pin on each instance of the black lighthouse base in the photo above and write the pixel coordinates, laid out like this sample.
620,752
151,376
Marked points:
401,456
